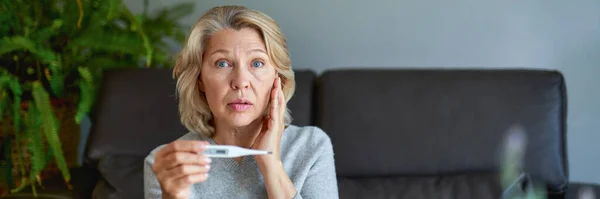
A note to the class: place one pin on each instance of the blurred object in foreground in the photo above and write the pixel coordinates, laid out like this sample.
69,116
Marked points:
516,183
586,193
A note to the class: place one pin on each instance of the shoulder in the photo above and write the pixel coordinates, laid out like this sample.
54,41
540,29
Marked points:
309,137
187,136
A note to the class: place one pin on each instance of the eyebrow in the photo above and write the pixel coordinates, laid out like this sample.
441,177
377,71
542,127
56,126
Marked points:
219,51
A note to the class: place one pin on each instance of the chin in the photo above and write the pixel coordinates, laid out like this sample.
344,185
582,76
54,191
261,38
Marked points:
241,120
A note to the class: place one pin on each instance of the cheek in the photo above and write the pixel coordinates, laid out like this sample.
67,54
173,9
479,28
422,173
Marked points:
215,87
264,80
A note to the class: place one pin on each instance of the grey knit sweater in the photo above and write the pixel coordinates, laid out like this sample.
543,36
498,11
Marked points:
307,156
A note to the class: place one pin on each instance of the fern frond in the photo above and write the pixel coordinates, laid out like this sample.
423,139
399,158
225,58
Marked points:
56,76
4,78
9,44
114,8
9,82
44,54
55,73
137,25
46,33
8,12
5,18
3,100
87,92
50,126
35,145
110,42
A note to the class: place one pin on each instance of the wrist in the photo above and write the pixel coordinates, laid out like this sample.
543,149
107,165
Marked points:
269,166
277,181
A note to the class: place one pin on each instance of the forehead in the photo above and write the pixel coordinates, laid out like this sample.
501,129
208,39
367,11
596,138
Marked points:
230,38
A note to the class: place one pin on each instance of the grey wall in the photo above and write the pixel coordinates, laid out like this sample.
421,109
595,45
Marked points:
563,35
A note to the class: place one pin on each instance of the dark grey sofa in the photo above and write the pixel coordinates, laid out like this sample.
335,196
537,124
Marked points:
402,133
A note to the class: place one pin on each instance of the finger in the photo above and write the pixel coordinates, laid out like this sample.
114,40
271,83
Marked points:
183,170
282,105
280,90
182,145
181,158
281,95
273,105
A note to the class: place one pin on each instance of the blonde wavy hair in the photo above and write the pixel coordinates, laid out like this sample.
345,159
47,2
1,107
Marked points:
194,111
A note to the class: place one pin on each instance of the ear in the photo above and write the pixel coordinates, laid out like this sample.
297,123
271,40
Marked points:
201,85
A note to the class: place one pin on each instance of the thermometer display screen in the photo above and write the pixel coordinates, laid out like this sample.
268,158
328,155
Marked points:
221,151
216,151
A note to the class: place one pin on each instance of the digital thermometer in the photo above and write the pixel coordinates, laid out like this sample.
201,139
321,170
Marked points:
227,151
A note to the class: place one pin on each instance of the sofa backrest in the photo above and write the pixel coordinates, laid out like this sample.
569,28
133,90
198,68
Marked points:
386,123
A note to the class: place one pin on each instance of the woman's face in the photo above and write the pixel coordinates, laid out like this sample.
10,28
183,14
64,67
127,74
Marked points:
237,76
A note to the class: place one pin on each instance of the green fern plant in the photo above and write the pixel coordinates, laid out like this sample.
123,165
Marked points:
58,49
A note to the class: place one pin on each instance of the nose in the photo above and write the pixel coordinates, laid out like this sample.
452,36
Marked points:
241,78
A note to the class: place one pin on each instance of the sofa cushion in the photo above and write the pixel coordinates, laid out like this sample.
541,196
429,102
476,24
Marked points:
429,122
463,186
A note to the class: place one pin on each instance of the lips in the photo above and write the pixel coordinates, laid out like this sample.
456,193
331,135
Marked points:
240,105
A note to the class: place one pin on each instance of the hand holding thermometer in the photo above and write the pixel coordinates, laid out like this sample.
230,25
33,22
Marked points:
228,151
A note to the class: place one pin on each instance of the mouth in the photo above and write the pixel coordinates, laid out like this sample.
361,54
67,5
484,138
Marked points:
241,101
240,105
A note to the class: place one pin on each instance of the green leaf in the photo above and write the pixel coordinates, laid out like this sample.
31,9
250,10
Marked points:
3,100
46,33
50,127
116,42
56,77
87,94
9,82
36,142
44,54
9,44
9,13
137,23
114,9
35,145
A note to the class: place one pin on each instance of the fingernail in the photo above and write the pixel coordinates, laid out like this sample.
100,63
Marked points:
207,160
207,166
200,146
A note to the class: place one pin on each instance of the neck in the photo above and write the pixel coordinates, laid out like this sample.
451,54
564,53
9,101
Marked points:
238,136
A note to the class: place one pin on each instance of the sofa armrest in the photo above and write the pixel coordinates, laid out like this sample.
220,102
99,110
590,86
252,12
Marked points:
575,189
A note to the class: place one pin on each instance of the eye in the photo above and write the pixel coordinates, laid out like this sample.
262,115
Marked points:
222,64
257,64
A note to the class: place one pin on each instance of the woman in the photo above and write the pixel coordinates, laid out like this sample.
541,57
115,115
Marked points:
234,78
